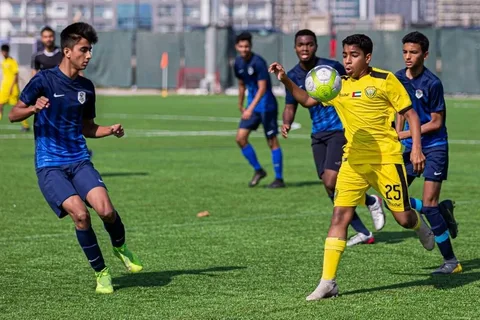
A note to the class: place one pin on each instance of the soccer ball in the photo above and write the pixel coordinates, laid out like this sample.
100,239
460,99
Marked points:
323,83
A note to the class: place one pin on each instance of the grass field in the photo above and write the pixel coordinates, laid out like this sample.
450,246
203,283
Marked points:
259,253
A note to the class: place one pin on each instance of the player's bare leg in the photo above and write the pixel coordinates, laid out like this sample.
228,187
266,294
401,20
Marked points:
431,210
1,111
100,201
87,239
249,153
411,219
277,160
334,246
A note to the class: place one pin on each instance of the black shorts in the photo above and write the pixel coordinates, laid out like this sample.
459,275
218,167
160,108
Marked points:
327,148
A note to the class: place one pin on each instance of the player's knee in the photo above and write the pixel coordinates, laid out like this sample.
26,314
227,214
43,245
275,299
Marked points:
241,141
407,219
329,183
81,218
340,219
273,143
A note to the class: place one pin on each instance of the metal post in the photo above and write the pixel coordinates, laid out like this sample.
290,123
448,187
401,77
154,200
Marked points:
210,20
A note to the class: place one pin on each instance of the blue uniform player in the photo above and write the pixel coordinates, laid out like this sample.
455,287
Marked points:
328,138
426,92
64,107
251,71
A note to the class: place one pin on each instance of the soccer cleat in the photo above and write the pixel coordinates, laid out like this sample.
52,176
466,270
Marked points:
129,259
425,235
325,289
446,210
259,175
449,268
376,211
360,238
277,183
104,281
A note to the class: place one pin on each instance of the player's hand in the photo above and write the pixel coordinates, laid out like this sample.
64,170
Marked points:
278,69
418,160
117,130
285,129
247,114
402,135
41,104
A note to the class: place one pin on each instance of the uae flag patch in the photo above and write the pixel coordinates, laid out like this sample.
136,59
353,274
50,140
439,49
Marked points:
356,94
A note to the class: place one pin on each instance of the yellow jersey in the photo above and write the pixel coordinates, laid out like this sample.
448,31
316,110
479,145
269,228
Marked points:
9,71
367,108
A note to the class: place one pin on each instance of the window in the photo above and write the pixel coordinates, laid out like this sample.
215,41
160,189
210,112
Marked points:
80,11
166,11
165,28
16,9
257,11
98,11
35,10
191,12
127,15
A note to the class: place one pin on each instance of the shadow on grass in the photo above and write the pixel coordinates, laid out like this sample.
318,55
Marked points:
391,237
162,278
298,184
123,174
441,282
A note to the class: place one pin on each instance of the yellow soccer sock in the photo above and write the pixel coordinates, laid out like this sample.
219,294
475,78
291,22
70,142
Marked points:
419,221
334,248
25,124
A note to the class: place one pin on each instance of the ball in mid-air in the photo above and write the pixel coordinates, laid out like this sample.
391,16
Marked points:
323,83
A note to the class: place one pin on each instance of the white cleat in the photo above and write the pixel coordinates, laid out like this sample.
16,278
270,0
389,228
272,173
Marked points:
377,213
360,238
325,289
425,235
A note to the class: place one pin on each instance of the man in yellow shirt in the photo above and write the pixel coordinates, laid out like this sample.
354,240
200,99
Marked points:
366,105
9,90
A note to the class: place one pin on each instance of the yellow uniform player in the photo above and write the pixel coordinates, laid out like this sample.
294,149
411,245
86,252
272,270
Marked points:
9,90
366,105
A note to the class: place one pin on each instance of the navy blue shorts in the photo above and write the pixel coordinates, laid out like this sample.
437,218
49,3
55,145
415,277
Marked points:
59,183
268,119
436,164
327,148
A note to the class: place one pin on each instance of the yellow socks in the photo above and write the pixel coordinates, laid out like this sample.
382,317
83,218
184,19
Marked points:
334,248
419,221
25,124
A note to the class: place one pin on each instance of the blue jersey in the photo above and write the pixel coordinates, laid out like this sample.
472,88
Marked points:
426,93
58,128
250,72
324,118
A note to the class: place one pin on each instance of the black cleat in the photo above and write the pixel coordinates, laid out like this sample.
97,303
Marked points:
259,175
446,209
277,183
25,129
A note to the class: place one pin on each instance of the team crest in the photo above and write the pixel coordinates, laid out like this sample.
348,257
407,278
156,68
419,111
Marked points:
370,92
418,93
82,96
250,71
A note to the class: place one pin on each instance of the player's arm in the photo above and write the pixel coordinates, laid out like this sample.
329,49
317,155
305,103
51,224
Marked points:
92,130
437,112
398,97
31,101
300,95
34,65
241,94
288,113
399,124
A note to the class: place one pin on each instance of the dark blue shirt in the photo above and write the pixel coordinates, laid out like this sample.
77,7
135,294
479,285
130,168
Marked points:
324,118
58,128
250,72
426,93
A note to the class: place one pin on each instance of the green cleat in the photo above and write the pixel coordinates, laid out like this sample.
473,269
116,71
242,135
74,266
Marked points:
130,260
104,281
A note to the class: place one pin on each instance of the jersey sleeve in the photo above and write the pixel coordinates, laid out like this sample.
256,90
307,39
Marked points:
437,99
14,67
261,70
289,99
235,70
34,65
397,95
89,112
33,90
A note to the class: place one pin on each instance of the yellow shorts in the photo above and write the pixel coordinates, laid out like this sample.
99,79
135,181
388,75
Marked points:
7,98
389,180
